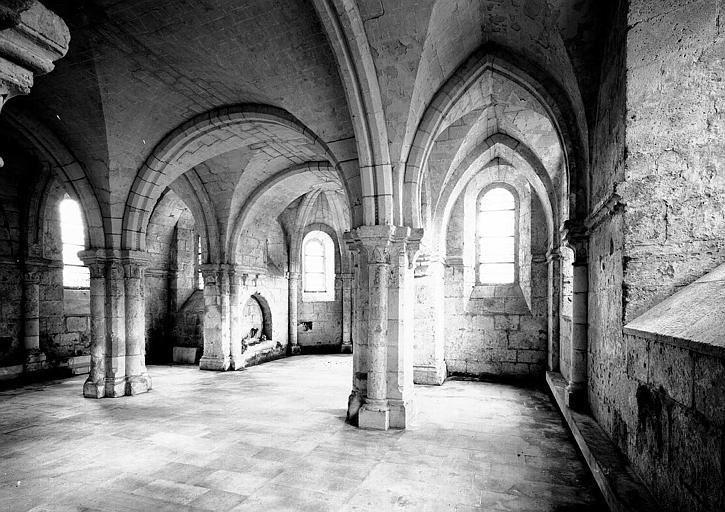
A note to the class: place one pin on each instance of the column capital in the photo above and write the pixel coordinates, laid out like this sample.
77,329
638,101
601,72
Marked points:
374,240
31,39
134,263
34,267
575,235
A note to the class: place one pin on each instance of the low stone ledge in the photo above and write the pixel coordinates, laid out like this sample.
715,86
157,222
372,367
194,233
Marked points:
621,487
11,372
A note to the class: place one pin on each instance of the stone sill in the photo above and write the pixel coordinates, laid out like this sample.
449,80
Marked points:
620,486
10,372
709,349
261,346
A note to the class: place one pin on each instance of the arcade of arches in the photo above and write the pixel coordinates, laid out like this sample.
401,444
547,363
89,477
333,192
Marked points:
527,192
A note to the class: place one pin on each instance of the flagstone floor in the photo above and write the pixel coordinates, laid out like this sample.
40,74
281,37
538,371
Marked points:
273,437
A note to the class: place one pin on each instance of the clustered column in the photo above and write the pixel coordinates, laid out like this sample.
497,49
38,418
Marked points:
294,287
383,325
576,392
118,366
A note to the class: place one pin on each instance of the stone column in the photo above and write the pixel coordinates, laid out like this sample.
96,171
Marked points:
137,378
115,328
95,385
576,391
216,309
553,258
34,358
346,313
375,240
401,297
429,313
294,289
236,359
359,328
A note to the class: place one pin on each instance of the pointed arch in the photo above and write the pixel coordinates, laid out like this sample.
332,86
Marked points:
206,136
569,127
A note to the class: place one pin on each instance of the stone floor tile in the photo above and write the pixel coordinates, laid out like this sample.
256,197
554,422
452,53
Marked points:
212,441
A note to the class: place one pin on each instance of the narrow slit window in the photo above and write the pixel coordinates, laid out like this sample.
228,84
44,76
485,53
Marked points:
72,233
497,237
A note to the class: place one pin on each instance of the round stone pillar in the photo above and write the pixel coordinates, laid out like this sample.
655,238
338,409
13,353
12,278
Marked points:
375,240
34,358
137,378
553,258
95,384
294,290
236,359
576,390
346,313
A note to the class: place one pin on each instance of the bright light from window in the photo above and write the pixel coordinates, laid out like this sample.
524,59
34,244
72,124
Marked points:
497,237
318,266
72,233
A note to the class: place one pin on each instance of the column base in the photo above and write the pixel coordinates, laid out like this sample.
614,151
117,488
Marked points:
575,397
401,413
137,384
295,350
237,363
116,387
220,364
431,375
346,348
94,389
374,417
353,408
34,361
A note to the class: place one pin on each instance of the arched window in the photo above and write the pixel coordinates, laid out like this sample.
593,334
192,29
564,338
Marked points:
72,234
496,237
318,267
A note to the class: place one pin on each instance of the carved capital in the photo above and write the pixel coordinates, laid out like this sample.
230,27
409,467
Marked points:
576,237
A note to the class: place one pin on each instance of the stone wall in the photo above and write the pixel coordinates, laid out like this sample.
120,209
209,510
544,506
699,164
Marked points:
65,327
657,215
11,344
324,318
496,330
188,329
675,430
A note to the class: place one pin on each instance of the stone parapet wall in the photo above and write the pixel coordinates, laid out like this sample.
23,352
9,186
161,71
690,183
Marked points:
674,434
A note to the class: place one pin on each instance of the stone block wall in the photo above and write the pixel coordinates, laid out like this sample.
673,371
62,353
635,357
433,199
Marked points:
674,431
495,330
11,343
325,318
658,189
188,328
